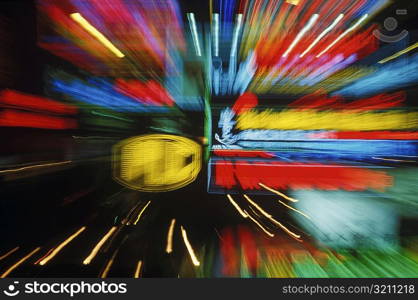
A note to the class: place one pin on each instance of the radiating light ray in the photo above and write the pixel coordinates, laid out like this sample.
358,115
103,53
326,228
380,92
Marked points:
107,269
305,29
396,160
294,209
241,212
189,247
61,246
259,225
344,34
268,216
277,192
294,235
257,206
99,245
9,253
21,261
323,33
127,219
236,35
141,212
109,264
216,34
169,247
193,29
97,34
397,54
138,269
35,166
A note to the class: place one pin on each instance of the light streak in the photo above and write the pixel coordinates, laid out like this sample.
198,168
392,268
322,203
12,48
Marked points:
296,236
138,269
308,26
396,160
344,34
258,207
268,216
109,264
259,225
323,33
61,246
277,192
397,54
236,35
141,212
294,209
192,23
99,245
97,34
241,212
189,247
21,261
9,253
35,166
216,33
169,247
107,269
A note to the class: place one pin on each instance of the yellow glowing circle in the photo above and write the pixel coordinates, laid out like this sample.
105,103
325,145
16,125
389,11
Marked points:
156,162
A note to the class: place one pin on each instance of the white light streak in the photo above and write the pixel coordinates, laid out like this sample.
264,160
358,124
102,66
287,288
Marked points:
193,29
344,34
305,29
323,33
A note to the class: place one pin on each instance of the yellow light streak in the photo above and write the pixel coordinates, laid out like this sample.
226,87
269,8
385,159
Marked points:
241,212
97,34
169,247
35,166
277,192
268,216
257,206
294,209
107,268
189,247
99,245
138,269
259,225
141,212
9,253
21,261
397,54
61,246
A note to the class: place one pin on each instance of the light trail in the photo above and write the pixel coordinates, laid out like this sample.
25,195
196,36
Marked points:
277,192
141,212
344,34
21,261
189,247
241,212
169,247
99,245
77,17
61,246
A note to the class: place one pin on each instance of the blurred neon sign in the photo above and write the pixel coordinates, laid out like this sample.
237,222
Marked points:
156,162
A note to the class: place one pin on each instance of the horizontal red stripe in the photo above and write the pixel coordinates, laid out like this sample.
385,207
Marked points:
243,153
21,100
13,118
